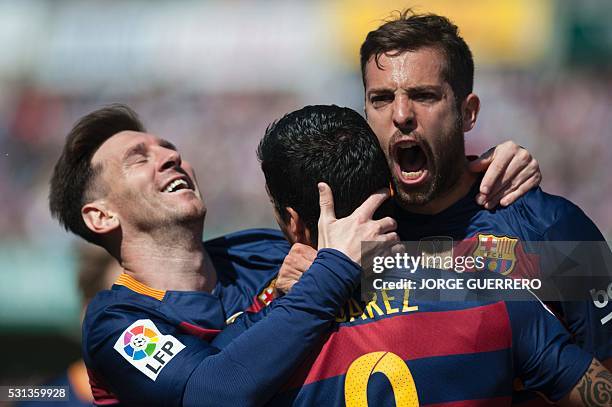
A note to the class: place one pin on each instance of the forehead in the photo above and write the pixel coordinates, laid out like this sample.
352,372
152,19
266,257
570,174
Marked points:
424,66
117,145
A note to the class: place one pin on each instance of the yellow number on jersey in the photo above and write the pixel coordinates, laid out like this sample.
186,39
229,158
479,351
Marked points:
387,363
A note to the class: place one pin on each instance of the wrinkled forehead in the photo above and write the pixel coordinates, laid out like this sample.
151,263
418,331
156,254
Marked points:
423,64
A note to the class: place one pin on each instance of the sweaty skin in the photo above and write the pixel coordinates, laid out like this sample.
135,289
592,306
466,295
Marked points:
398,72
419,107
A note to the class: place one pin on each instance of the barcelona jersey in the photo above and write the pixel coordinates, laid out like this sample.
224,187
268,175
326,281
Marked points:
144,346
399,350
535,217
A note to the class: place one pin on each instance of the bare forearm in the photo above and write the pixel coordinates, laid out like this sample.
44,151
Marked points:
594,389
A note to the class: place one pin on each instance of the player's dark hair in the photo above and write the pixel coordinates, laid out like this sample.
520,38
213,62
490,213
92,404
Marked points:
315,144
410,32
74,177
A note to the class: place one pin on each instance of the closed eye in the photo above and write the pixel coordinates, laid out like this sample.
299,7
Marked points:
136,159
136,155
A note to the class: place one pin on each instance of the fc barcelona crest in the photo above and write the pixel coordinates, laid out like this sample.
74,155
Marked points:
266,296
498,252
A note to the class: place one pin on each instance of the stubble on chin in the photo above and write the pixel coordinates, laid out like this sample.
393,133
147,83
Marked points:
445,163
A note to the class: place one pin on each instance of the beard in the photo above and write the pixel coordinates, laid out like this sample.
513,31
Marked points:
445,160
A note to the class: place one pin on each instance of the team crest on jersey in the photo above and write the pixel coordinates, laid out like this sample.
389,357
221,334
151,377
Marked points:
143,346
266,296
499,253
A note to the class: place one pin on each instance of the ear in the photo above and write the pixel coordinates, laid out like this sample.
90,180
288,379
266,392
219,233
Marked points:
470,108
99,218
296,228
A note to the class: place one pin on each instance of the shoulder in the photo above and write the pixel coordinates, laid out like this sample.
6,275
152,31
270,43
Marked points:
137,353
246,263
111,312
548,213
120,300
250,241
542,209
248,250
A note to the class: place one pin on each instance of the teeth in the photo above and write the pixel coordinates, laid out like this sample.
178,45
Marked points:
407,144
412,174
174,184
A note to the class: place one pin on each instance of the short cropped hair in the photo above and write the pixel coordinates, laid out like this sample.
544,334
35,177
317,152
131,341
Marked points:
410,32
74,176
315,144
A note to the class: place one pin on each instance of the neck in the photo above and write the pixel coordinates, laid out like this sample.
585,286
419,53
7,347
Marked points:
169,261
444,201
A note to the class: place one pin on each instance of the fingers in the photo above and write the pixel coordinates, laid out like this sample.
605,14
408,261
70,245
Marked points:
522,189
520,162
384,230
492,201
309,254
346,234
526,179
303,250
367,209
293,273
516,188
326,201
500,159
283,284
522,174
386,225
300,258
390,237
301,264
481,163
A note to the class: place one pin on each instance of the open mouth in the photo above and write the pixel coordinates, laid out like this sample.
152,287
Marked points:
411,162
177,185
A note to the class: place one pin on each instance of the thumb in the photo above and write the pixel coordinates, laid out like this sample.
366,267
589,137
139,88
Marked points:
326,201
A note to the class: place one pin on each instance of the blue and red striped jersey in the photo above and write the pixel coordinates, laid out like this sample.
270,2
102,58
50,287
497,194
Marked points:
149,347
535,217
400,350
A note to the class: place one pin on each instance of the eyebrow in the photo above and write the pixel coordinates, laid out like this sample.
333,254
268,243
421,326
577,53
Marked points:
141,149
167,144
379,90
425,88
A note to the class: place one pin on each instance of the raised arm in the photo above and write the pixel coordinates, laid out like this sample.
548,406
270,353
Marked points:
189,370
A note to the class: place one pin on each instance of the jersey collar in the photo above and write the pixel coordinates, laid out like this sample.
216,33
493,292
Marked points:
135,285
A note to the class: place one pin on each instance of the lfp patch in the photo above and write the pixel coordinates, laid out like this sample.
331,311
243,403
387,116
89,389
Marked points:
146,348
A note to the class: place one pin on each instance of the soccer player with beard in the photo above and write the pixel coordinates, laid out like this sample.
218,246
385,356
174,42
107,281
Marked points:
418,78
402,348
151,340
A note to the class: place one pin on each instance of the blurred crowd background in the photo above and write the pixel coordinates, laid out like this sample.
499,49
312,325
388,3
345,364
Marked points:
211,75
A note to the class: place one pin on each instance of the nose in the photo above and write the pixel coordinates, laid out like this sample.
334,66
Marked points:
169,159
403,114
